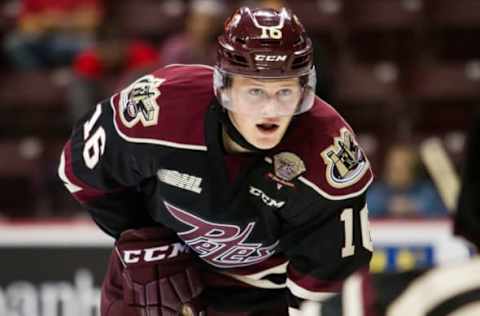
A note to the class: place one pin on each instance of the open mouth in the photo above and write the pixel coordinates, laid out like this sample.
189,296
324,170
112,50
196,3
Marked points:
267,128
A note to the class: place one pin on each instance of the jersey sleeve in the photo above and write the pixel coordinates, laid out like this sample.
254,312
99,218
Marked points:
117,148
103,170
325,249
328,238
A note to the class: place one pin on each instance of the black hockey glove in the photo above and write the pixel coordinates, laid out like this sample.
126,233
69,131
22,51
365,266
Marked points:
158,277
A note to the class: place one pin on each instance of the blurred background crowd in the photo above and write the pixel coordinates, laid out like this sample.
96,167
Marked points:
399,71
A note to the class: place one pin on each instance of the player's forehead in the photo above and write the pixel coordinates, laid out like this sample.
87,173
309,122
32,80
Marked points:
239,80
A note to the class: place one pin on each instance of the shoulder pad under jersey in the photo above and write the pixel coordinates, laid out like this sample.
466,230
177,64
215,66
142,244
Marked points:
165,107
335,165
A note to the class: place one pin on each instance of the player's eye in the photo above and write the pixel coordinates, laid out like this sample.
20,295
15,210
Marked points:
255,92
285,92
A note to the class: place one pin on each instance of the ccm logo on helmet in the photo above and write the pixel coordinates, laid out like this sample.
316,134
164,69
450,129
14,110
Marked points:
154,253
259,57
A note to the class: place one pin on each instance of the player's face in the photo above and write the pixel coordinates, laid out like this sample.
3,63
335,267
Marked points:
263,108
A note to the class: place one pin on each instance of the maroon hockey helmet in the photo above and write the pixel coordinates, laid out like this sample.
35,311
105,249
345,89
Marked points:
266,44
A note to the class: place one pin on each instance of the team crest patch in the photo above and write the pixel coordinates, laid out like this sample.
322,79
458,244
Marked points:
138,102
288,166
346,163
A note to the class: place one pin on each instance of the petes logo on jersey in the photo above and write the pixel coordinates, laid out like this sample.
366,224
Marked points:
346,163
180,180
221,245
138,102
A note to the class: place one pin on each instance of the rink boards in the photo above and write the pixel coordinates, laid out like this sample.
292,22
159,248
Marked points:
56,268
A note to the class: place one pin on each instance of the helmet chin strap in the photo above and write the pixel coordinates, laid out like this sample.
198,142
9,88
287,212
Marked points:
233,132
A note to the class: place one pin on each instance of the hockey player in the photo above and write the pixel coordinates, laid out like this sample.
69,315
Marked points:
230,190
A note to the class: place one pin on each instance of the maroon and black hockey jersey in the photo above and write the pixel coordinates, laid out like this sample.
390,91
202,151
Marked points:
288,223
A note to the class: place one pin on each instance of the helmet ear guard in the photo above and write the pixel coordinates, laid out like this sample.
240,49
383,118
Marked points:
221,84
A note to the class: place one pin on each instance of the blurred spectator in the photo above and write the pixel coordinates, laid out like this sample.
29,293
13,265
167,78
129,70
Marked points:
401,192
109,64
50,32
197,44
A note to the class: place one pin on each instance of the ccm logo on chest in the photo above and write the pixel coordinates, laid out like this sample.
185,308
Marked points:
154,253
265,198
259,57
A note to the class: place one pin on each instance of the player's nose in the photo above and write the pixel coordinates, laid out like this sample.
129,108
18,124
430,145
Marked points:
269,108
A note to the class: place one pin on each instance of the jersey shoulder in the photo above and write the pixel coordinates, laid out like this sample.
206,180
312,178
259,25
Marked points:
335,164
165,107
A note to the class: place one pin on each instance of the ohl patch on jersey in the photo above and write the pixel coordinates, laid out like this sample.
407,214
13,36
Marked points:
346,163
138,102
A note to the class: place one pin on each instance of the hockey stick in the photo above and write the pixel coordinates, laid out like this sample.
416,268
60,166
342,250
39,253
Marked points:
442,171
